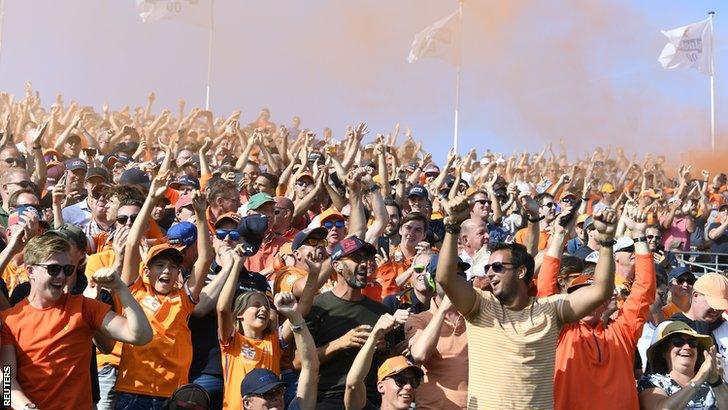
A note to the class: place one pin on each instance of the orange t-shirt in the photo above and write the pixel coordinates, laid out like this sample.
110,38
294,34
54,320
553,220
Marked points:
286,277
14,275
386,275
162,365
52,348
240,355
266,255
543,238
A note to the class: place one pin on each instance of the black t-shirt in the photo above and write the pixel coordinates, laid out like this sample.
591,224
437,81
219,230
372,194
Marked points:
720,244
205,346
583,252
330,318
704,328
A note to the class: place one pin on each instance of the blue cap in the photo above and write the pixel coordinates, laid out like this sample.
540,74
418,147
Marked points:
135,176
189,181
418,190
76,163
432,266
313,233
182,233
350,245
259,381
252,229
677,272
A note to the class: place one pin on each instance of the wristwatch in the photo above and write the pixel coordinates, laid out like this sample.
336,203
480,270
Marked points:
30,406
297,328
716,384
608,243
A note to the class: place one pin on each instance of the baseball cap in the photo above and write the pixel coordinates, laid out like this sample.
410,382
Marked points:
166,249
259,199
252,229
418,190
189,396
182,233
76,163
581,219
98,172
350,245
309,233
330,213
678,271
185,180
305,174
607,188
650,193
624,243
112,159
73,234
135,176
432,265
714,287
592,257
430,168
229,216
183,201
588,222
580,281
395,365
259,381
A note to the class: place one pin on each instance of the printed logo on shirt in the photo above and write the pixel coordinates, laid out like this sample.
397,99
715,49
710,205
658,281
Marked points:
248,352
150,303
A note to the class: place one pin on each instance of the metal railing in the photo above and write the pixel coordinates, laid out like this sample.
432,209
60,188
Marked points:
703,261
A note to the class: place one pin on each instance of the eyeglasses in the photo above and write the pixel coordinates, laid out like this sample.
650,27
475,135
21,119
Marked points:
221,234
330,224
498,267
689,280
278,211
549,204
680,342
653,237
54,269
269,395
316,242
402,380
122,219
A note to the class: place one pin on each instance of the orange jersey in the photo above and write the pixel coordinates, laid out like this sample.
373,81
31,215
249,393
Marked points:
240,355
52,347
161,366
14,275
286,277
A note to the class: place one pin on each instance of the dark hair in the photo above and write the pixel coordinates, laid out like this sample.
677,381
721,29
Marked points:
416,216
519,257
13,200
218,188
543,195
570,264
273,179
126,194
660,364
389,201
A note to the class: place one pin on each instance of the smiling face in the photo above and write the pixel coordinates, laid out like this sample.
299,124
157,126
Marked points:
680,357
163,273
504,283
43,284
257,313
355,269
395,396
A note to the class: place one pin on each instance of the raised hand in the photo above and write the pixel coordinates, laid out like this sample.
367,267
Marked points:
635,219
199,202
385,324
457,209
107,278
119,242
286,304
360,131
605,223
356,337
159,184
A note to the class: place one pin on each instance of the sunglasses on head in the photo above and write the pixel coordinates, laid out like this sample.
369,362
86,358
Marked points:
221,234
54,269
316,242
123,218
401,380
498,267
330,224
22,184
680,342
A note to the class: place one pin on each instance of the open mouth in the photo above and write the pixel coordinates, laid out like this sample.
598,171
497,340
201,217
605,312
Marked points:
165,280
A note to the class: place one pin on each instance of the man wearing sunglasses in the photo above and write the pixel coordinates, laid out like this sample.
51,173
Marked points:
51,366
497,318
546,215
264,205
13,180
681,281
308,246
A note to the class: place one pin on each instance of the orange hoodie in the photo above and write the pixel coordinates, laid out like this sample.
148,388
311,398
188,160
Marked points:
595,365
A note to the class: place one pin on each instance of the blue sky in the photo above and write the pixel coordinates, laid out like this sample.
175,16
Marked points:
533,71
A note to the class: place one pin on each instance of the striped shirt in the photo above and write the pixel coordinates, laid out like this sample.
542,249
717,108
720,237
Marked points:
515,352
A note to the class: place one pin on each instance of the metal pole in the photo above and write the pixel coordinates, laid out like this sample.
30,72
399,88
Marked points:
457,77
2,17
712,83
209,57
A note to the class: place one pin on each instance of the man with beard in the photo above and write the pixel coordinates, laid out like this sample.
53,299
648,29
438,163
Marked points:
341,320
391,236
546,215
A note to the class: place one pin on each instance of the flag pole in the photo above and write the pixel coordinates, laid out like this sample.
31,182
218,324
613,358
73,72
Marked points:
457,77
712,83
2,18
209,57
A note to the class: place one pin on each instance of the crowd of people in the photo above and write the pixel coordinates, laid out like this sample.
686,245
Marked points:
157,259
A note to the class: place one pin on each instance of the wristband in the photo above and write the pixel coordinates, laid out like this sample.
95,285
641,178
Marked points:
452,228
585,199
297,328
716,384
533,220
608,243
693,385
640,239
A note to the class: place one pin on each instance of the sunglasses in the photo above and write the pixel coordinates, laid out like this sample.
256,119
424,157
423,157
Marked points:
303,184
54,269
483,202
680,342
568,200
689,280
654,237
316,242
22,184
418,268
549,204
221,234
277,211
121,219
14,161
401,381
498,267
330,224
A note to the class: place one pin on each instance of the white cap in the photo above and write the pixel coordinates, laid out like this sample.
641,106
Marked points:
592,257
623,242
468,178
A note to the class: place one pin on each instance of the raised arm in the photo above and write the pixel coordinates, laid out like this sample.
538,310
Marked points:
547,280
584,300
423,343
205,254
225,316
381,217
133,327
457,289
355,395
40,171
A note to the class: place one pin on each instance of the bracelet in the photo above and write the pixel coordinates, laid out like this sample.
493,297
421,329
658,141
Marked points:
534,220
608,243
716,384
640,239
452,228
585,198
297,328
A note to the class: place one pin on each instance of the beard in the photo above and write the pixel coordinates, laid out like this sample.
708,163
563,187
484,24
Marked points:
356,281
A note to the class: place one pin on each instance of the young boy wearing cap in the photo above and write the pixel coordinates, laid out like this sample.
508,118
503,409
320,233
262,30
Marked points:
150,374
397,377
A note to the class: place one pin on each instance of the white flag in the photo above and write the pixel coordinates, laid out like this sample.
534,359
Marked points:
195,12
689,46
439,40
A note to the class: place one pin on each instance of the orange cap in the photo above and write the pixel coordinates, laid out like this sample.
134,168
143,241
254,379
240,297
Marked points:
579,281
395,365
230,216
165,247
714,287
330,213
